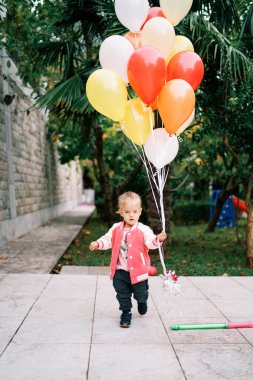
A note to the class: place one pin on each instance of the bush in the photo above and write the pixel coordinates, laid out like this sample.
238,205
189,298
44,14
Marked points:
193,212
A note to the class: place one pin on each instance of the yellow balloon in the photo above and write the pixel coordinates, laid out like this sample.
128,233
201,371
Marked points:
182,43
160,34
186,124
107,93
138,121
175,10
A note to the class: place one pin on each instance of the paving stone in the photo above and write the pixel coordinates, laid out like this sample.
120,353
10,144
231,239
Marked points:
3,345
74,281
52,326
44,362
245,281
102,271
76,287
8,327
92,270
54,330
222,285
144,329
247,333
235,308
13,306
216,361
58,306
26,281
73,269
185,307
133,362
2,275
18,293
107,305
188,289
219,336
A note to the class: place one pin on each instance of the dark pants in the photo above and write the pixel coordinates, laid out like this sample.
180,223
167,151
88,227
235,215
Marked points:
124,289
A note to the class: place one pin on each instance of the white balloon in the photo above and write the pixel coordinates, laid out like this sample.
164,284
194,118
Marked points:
114,54
187,123
161,148
132,13
175,10
159,33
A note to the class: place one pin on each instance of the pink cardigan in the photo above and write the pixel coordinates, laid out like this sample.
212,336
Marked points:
140,239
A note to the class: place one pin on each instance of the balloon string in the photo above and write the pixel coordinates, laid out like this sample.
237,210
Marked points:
166,174
150,173
157,179
160,187
151,176
161,256
136,41
161,182
160,214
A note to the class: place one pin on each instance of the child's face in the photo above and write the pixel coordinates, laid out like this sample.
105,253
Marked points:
130,212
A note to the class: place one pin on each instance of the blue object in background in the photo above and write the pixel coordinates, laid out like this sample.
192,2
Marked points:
227,216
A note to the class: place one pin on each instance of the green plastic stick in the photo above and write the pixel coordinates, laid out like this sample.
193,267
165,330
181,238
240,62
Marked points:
200,326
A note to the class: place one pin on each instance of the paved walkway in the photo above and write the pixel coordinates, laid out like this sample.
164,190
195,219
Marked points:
66,328
39,250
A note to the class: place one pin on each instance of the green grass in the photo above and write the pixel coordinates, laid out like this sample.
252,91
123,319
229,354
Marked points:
193,252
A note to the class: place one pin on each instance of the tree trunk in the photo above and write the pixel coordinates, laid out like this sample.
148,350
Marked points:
249,242
249,234
217,210
228,189
103,174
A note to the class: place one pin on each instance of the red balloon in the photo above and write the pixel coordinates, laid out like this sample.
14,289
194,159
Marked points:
152,271
188,66
147,73
153,12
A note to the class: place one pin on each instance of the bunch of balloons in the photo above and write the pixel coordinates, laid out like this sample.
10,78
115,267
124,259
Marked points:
162,69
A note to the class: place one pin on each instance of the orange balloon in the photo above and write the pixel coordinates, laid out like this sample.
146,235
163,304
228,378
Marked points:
134,38
176,102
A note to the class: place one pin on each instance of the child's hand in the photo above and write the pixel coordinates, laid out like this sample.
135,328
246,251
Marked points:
162,236
93,245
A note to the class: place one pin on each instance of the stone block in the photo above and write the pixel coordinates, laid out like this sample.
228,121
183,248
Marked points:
215,361
54,330
4,214
45,361
133,362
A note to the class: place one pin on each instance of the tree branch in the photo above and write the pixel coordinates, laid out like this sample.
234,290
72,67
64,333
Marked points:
231,150
129,179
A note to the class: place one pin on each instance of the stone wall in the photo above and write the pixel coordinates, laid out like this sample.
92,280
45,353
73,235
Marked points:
34,186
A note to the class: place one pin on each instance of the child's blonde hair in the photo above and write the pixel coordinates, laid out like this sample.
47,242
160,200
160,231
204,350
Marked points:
129,195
